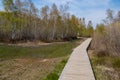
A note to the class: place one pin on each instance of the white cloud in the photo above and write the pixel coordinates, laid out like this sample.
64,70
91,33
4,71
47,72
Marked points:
59,2
90,9
81,2
93,2
96,16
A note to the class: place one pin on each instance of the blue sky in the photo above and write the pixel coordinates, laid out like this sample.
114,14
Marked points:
94,10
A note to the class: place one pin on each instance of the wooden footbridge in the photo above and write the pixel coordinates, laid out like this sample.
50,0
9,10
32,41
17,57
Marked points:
78,66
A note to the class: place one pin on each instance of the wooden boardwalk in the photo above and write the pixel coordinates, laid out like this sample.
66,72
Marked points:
78,66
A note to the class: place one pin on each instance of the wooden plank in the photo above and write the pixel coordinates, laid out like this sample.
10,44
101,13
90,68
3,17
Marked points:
78,66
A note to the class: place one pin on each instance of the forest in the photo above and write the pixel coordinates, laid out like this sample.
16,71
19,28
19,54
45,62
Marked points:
22,21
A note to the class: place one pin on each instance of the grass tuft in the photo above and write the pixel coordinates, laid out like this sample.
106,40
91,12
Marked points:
54,75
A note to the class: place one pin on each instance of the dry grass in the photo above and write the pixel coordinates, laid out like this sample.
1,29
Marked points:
27,69
105,67
33,63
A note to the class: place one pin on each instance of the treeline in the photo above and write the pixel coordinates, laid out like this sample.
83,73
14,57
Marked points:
21,20
106,40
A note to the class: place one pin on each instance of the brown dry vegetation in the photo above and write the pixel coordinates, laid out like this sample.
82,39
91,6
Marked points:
105,46
106,37
28,63
27,69
105,68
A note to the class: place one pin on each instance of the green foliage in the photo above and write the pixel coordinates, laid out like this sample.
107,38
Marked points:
100,28
85,31
52,76
89,31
